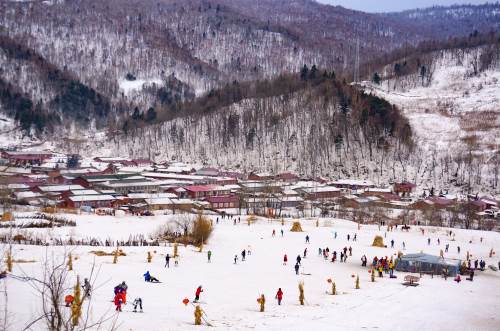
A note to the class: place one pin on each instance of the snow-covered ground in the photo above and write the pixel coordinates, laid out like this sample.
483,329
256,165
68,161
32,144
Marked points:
231,290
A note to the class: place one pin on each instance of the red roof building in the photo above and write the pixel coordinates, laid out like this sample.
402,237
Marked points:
223,202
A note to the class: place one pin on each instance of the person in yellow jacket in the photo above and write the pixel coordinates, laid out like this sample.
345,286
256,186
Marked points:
391,269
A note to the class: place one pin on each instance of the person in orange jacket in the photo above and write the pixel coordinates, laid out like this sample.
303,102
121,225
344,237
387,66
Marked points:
118,301
69,300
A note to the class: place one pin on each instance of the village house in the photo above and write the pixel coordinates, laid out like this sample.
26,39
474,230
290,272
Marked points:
320,192
353,184
203,191
94,201
264,176
24,158
223,202
404,188
287,177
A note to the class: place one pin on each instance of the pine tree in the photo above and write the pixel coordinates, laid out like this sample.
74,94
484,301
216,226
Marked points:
313,72
304,72
76,308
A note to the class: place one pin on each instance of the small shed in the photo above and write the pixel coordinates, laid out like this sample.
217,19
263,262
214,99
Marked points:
425,263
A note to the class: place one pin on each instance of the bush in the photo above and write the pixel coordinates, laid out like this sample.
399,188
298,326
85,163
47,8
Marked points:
202,229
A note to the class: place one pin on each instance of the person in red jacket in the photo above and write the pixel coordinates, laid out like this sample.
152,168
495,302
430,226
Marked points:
285,259
279,296
197,294
118,301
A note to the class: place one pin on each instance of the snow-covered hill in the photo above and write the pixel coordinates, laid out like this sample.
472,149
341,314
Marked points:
454,109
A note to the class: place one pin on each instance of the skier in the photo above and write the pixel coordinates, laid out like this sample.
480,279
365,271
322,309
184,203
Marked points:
350,251
274,232
355,237
307,239
363,261
137,303
209,256
320,251
439,241
428,241
235,258
197,294
118,302
348,237
297,268
305,252
446,248
167,261
404,246
279,296
285,259
335,234
243,254
392,243
299,259
123,291
86,288
149,278
282,233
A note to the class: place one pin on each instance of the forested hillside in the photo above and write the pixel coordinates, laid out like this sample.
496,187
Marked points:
147,54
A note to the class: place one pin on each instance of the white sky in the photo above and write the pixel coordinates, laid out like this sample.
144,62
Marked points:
395,5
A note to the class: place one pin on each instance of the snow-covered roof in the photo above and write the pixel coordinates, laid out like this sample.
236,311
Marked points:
353,182
60,188
84,192
151,195
26,195
321,189
85,198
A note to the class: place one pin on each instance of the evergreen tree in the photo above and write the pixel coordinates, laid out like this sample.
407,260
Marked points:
313,72
151,114
304,73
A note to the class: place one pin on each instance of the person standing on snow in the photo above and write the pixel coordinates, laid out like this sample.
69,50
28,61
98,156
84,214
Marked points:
235,258
279,296
167,261
299,259
243,254
209,256
297,268
118,302
137,303
305,252
274,233
285,259
197,294
307,239
282,233
392,243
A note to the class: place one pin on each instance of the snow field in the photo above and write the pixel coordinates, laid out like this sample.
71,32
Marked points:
230,291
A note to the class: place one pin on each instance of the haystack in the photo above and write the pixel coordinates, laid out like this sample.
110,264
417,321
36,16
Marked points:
296,227
378,241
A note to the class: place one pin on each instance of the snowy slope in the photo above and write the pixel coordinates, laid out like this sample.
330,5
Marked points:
230,291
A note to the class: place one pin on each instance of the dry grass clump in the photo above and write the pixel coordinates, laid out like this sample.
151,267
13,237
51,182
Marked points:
378,241
103,253
296,227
